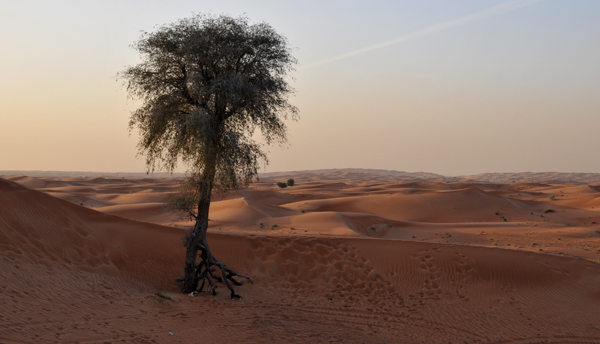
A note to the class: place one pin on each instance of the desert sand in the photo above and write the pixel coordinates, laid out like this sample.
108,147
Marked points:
344,256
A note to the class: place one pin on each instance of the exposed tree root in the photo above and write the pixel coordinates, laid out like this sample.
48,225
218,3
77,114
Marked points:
205,273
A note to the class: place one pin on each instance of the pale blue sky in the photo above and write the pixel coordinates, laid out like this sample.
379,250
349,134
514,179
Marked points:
518,91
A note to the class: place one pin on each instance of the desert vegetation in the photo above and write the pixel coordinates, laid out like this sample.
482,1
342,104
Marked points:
206,84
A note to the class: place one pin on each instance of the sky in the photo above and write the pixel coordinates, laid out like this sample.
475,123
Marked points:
451,87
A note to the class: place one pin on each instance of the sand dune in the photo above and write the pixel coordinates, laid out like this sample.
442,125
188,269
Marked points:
545,177
527,216
39,228
465,205
461,273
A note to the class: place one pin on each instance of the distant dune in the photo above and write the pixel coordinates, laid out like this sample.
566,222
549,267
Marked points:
344,256
87,174
338,175
537,177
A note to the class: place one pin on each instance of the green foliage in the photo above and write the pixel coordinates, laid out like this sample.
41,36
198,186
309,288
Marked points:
206,84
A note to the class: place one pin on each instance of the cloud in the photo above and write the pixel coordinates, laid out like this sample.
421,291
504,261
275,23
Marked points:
430,30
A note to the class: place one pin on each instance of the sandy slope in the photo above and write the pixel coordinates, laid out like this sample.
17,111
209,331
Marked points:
69,273
553,218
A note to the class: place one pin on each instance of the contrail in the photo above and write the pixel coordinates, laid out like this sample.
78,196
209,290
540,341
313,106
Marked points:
490,12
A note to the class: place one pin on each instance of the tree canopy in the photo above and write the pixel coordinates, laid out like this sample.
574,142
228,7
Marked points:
207,84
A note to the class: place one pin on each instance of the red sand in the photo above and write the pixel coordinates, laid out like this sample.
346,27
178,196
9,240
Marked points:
329,271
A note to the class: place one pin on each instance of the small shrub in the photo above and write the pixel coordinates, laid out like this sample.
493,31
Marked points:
550,211
552,197
497,213
282,185
290,182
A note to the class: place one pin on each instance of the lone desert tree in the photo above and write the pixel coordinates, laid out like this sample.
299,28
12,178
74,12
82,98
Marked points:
206,84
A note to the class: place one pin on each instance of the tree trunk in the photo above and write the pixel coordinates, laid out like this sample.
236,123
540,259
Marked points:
204,271
198,233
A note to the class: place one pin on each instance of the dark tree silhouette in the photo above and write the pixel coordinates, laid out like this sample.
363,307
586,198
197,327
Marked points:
290,182
206,84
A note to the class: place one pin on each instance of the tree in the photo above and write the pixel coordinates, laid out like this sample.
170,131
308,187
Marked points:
281,185
206,84
290,182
